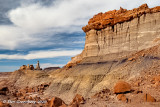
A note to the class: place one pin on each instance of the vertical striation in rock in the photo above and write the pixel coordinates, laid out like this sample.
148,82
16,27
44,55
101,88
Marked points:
121,32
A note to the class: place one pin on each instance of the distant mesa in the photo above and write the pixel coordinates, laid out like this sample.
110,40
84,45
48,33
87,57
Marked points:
51,68
30,67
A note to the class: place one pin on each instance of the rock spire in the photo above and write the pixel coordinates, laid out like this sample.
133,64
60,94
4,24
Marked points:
38,66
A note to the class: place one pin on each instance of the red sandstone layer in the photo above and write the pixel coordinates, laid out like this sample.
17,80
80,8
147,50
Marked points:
110,18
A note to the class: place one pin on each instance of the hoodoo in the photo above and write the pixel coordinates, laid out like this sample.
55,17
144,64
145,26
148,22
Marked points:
31,67
38,66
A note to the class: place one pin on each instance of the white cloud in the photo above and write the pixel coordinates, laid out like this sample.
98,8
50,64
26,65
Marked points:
79,42
41,54
63,16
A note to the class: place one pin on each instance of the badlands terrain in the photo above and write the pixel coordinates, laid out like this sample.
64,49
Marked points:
119,67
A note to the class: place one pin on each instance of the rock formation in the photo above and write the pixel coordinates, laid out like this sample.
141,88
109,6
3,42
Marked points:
4,90
30,67
149,98
56,102
23,67
121,97
77,100
4,105
38,66
121,32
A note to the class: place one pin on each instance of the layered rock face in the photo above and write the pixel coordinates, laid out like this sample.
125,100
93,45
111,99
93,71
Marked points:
121,32
110,18
138,34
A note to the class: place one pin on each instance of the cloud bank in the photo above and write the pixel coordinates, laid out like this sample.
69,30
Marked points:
41,54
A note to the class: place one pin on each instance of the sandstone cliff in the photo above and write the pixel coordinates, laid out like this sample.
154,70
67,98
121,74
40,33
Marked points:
121,32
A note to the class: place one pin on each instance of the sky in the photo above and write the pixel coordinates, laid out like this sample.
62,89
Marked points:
49,30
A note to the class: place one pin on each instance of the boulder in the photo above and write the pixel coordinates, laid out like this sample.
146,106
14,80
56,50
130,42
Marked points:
122,97
31,67
56,102
4,90
156,85
29,90
122,87
148,98
4,105
18,94
1,104
157,78
78,99
156,81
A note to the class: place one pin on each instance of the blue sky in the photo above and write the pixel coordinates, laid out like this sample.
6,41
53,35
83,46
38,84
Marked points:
49,30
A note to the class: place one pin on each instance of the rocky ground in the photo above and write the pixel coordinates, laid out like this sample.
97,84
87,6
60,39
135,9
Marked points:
141,90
